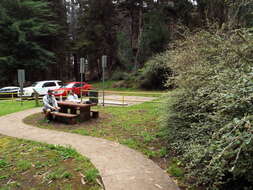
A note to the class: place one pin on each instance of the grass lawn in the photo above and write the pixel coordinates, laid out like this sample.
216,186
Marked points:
8,107
135,126
36,166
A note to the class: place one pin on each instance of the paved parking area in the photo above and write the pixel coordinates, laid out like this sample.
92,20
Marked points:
124,100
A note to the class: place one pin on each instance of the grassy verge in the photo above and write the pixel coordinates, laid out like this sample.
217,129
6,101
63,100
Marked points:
8,107
36,166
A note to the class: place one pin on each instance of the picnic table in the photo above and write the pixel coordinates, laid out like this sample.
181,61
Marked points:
80,110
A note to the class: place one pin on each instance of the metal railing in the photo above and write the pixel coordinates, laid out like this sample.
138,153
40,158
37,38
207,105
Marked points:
123,98
8,96
15,97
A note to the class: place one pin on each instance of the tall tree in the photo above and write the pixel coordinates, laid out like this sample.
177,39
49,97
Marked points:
59,43
24,26
73,9
96,35
236,13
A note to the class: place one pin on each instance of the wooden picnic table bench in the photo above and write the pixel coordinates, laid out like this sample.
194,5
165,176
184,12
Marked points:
66,117
82,110
94,113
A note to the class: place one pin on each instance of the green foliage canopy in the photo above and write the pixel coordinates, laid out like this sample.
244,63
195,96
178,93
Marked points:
25,25
155,35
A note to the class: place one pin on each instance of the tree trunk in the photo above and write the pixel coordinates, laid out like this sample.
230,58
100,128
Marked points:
76,67
140,32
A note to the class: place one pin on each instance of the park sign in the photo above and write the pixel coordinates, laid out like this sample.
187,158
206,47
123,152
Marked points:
104,61
21,76
21,80
104,65
82,66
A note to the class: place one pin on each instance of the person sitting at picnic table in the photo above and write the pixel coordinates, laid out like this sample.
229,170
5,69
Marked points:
72,97
50,104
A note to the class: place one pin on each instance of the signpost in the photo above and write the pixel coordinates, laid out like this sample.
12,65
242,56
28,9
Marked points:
82,70
21,80
86,67
104,65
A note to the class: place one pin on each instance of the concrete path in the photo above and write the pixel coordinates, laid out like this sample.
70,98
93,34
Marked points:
121,168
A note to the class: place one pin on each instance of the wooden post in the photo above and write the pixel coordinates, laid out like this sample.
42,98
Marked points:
37,99
123,100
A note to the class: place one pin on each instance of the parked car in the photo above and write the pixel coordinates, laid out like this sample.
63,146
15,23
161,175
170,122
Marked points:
76,87
9,91
41,87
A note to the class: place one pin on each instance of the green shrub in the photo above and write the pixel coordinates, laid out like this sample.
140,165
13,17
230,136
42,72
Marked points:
119,75
155,73
127,80
175,171
124,51
209,121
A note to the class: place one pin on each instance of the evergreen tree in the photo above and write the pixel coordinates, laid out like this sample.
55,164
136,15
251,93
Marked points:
96,34
59,44
155,35
25,26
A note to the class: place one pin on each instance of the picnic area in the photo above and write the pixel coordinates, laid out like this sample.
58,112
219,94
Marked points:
126,95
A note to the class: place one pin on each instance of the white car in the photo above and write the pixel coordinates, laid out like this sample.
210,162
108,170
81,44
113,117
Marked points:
9,91
41,87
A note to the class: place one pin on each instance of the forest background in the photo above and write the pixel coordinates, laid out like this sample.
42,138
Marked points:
43,36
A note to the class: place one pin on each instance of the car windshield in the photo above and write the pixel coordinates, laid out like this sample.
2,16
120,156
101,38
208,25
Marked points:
68,85
34,84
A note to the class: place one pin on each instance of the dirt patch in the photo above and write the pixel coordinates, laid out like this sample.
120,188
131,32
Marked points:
38,120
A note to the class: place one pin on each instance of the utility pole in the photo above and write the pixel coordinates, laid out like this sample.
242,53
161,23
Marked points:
104,64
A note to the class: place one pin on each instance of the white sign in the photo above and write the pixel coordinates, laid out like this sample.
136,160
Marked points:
21,76
82,66
104,61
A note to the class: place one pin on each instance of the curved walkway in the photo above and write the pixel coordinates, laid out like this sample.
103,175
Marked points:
121,168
